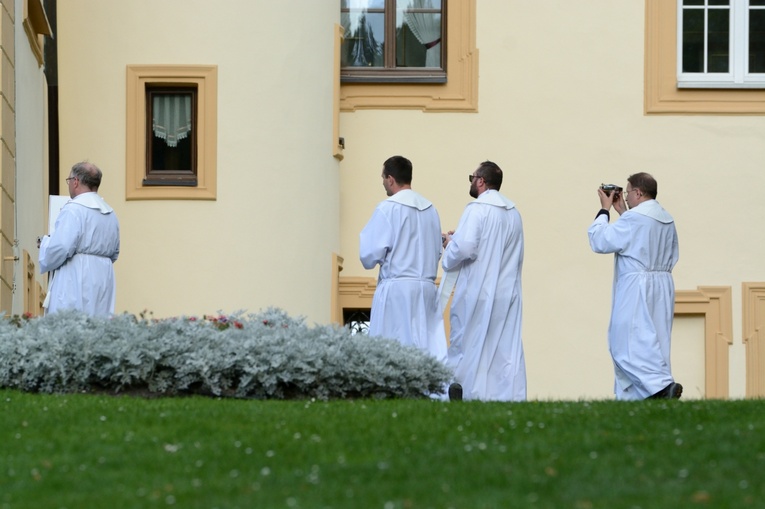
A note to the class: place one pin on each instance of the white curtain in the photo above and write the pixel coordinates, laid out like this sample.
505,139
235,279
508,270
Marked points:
171,118
426,28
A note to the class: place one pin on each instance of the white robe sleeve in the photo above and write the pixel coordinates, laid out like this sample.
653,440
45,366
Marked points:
610,238
375,240
116,253
62,244
464,243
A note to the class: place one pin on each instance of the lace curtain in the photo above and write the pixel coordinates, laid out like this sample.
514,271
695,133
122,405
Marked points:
171,117
426,27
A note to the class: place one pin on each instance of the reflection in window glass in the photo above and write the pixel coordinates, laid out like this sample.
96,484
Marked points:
693,40
757,40
362,4
706,37
719,40
385,36
364,38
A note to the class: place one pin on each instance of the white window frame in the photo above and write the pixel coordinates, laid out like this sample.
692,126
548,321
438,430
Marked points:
739,76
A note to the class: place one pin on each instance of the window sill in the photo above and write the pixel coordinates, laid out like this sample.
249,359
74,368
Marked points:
392,79
720,85
170,182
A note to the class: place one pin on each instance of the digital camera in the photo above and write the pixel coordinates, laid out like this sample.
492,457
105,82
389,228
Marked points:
607,188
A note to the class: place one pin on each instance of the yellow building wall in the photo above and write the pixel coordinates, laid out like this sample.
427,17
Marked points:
268,238
561,110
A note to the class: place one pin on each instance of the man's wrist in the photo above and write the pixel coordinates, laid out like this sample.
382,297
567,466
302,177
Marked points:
602,212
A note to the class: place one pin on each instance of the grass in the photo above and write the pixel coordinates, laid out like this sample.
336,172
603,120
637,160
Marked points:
85,451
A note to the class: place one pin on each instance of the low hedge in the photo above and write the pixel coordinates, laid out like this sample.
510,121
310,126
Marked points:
262,355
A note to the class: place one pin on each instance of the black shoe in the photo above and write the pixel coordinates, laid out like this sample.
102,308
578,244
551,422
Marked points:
455,392
675,391
672,391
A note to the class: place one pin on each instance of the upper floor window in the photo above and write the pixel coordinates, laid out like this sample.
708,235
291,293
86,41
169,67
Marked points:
393,41
721,44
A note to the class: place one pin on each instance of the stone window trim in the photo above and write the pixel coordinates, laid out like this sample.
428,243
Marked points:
458,94
661,93
205,78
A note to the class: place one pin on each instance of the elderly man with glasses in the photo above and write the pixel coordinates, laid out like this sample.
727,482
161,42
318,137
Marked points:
81,249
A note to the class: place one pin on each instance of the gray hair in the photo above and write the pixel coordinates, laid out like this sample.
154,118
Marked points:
88,174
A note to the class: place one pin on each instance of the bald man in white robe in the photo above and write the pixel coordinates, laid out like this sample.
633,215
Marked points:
81,250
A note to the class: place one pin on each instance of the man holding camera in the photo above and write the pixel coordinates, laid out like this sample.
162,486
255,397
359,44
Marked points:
644,242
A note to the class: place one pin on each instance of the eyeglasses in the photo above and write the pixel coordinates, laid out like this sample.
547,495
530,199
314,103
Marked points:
70,178
471,177
630,190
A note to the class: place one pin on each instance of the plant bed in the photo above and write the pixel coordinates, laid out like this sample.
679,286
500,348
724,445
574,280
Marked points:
266,355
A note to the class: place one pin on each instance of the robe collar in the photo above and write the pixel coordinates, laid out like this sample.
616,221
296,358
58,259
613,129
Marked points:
410,199
494,197
92,201
652,209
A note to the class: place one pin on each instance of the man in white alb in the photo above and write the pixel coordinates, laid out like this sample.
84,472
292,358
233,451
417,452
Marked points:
485,253
82,248
645,247
403,237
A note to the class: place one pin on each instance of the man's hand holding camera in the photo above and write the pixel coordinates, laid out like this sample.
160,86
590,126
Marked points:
611,195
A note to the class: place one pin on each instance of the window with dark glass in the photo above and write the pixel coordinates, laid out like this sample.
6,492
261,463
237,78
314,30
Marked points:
171,153
706,36
393,41
756,36
722,43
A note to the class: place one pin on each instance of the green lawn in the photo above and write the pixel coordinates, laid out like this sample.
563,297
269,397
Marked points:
84,451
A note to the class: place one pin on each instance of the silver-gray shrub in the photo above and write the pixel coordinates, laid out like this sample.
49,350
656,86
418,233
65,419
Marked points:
262,355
